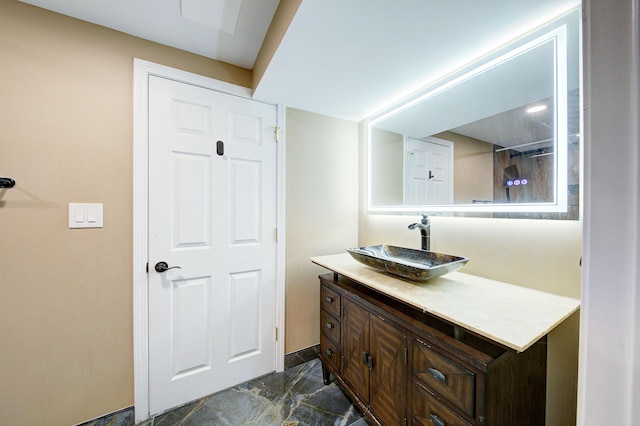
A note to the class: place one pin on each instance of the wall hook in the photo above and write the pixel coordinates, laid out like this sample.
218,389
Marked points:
7,182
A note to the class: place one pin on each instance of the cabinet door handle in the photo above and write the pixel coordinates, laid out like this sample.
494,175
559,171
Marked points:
329,352
367,359
329,299
436,420
329,325
437,375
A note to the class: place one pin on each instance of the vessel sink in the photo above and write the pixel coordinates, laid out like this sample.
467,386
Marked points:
416,265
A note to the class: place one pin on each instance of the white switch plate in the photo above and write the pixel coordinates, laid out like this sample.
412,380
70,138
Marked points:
85,215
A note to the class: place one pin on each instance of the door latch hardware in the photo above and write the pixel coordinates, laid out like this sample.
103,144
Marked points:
162,267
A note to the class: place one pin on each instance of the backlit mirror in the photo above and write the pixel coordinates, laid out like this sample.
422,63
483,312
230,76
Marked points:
499,138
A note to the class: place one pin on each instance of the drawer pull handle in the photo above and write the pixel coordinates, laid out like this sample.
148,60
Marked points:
329,352
437,375
329,299
436,420
329,326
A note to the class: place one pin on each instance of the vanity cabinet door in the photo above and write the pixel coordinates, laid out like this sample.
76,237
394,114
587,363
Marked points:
388,377
355,347
375,362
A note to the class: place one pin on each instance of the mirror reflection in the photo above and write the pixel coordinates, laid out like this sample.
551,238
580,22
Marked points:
502,136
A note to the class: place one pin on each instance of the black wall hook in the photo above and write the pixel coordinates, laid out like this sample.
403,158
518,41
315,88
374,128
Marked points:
7,182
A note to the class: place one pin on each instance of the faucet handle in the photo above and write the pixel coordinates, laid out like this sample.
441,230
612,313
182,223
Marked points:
425,218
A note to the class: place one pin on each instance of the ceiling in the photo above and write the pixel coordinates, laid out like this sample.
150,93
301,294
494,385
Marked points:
346,59
227,30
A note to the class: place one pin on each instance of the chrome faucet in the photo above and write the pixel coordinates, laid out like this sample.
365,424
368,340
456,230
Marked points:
425,231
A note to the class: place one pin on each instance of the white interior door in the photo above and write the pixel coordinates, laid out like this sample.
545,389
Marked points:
428,172
212,212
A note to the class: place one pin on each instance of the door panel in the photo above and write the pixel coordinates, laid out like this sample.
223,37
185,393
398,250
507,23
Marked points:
192,194
388,376
245,200
355,334
212,322
190,314
441,176
245,322
245,128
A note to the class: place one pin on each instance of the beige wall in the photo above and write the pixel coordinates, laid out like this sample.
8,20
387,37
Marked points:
472,168
321,212
66,136
387,160
539,254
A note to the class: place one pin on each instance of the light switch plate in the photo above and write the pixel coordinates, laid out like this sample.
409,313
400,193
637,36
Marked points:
85,215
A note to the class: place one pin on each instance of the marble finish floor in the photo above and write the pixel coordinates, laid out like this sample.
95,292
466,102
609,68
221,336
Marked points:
295,397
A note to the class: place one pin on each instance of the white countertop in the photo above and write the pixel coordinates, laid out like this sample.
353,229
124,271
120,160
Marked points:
511,315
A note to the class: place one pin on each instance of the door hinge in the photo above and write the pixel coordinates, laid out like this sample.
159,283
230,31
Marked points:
276,130
147,267
406,356
405,421
276,334
275,234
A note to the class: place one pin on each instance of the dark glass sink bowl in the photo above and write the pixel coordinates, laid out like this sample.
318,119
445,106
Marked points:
416,265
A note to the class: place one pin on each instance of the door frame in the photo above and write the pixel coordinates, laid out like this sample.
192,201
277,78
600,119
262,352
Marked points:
141,72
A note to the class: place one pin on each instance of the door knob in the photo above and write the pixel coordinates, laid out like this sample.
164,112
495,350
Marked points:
162,267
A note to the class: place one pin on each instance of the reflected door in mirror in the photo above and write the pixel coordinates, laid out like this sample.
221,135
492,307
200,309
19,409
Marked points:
428,172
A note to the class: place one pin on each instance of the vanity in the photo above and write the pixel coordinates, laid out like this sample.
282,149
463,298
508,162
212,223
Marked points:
454,350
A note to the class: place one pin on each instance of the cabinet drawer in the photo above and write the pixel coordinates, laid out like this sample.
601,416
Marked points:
450,380
426,410
330,301
330,326
330,352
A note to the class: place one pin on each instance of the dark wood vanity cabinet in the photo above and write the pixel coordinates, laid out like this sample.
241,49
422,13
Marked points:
404,367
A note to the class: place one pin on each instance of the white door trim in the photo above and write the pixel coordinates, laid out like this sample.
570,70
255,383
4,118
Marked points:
141,72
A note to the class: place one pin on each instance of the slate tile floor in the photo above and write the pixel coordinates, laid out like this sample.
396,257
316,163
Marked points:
295,397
